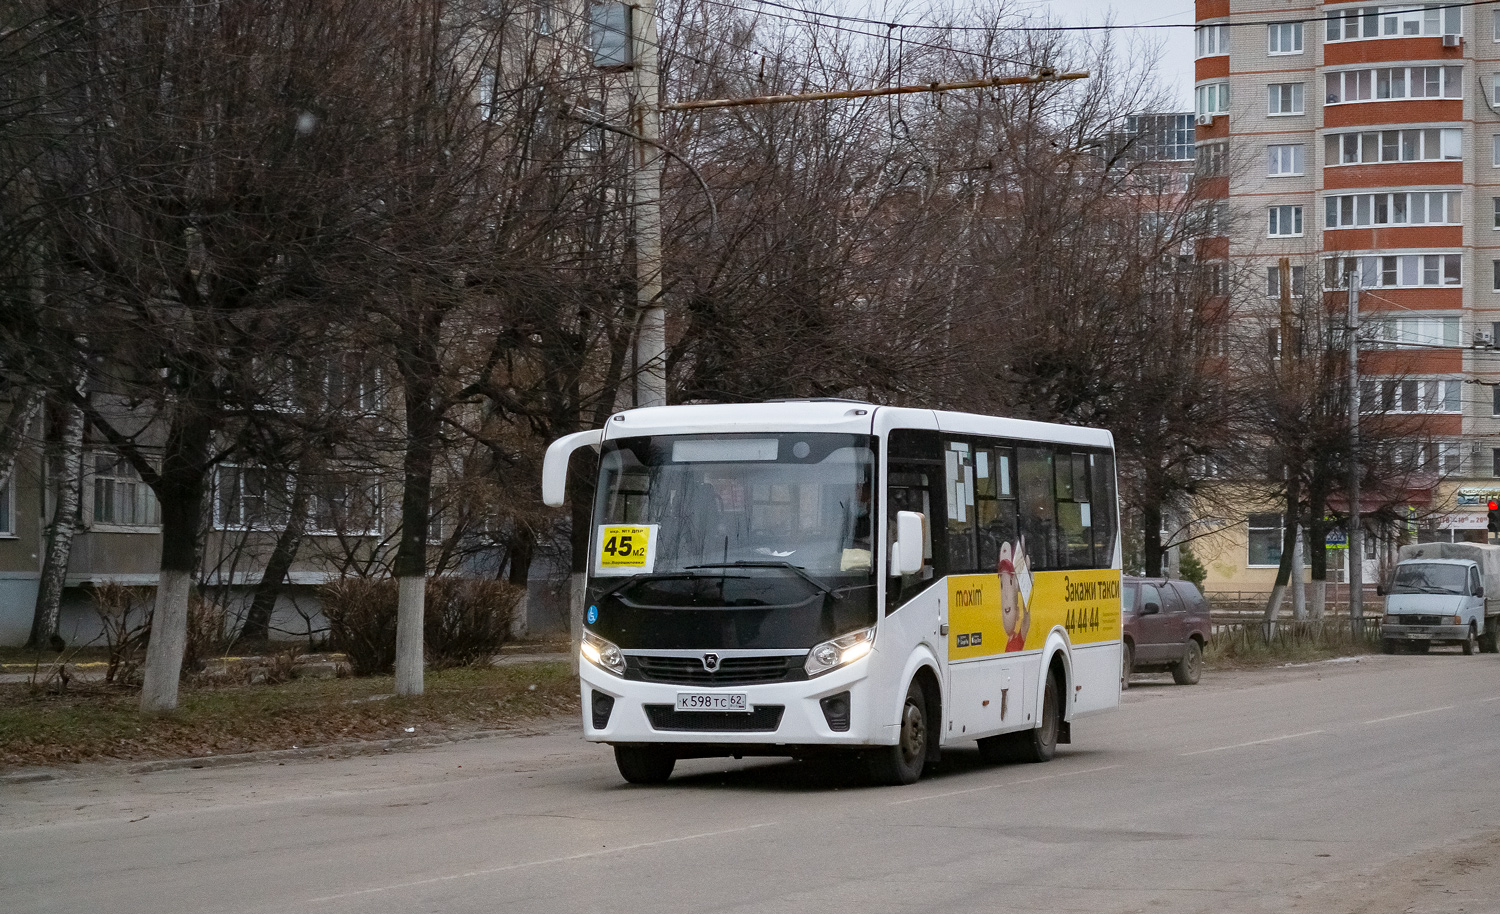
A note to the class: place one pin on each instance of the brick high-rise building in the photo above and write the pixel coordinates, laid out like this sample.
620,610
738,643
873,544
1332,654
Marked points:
1363,138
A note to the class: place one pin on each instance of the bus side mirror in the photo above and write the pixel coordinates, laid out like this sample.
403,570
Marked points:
906,552
1479,591
1379,590
555,466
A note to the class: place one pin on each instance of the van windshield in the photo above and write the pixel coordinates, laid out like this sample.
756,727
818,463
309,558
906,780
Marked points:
1430,577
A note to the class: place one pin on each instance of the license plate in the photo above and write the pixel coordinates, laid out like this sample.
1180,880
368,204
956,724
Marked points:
1418,633
713,701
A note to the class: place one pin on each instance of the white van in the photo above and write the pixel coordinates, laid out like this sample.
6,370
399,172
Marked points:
1443,593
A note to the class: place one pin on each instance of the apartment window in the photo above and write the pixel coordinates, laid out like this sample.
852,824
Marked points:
1213,98
1210,159
1212,40
1414,332
351,384
1285,159
348,505
1265,535
1495,285
1495,152
1421,208
120,497
1431,457
1495,467
1284,99
8,503
1420,396
1395,271
1496,201
1211,219
250,498
1450,458
1412,20
1217,277
1284,38
1273,281
1371,146
1497,25
1284,221
1495,409
1384,83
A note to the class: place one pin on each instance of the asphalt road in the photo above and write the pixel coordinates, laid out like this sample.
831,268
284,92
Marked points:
1337,787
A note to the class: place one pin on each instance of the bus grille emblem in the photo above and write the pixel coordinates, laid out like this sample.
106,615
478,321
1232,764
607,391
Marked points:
711,662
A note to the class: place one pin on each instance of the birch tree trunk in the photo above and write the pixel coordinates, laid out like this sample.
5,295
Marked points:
26,403
68,486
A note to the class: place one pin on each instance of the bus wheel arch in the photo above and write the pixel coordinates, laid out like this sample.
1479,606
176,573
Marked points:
932,692
917,732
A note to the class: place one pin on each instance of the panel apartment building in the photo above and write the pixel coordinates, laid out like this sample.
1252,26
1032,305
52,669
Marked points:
1359,138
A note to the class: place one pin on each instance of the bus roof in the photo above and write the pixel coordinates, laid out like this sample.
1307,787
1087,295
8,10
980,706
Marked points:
847,416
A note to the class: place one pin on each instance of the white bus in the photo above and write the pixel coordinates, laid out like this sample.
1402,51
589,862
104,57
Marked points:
799,577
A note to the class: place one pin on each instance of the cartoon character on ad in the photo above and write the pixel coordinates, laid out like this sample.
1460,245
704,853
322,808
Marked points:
1015,594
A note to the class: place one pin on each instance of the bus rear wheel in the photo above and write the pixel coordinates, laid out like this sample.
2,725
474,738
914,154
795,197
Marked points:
645,764
903,762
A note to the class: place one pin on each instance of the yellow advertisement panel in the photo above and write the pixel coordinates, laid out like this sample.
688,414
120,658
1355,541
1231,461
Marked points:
991,614
1086,603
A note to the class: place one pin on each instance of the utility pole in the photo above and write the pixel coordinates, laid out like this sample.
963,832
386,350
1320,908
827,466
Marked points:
1356,528
651,333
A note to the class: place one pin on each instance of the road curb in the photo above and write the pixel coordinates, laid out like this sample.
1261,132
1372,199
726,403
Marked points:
330,751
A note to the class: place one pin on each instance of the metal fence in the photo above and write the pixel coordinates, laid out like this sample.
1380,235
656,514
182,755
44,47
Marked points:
1239,617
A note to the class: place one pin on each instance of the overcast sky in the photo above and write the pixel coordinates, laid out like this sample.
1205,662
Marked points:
1176,66
1175,63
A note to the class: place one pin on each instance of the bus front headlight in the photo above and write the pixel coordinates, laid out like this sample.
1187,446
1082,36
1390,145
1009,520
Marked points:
842,650
602,654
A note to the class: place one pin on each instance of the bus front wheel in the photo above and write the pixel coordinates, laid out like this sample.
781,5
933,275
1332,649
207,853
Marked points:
645,764
903,762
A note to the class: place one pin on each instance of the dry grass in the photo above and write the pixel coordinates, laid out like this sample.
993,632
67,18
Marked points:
93,721
1244,646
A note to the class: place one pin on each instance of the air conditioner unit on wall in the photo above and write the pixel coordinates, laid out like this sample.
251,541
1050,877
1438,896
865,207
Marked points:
1205,120
1484,338
1452,41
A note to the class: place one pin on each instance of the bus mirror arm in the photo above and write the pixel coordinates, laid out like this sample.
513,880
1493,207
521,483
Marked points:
555,466
906,553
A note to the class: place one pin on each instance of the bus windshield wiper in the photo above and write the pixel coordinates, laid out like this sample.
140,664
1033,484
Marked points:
641,578
795,569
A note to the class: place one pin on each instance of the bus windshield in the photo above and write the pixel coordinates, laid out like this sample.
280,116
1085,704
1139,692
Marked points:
799,500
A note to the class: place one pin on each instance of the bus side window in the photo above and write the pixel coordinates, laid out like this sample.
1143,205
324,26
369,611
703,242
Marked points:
1103,509
963,555
994,502
1038,510
1075,519
911,488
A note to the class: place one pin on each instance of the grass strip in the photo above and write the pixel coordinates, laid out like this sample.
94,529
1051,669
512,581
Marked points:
92,722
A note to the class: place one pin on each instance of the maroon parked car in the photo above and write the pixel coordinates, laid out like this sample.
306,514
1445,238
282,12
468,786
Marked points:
1166,628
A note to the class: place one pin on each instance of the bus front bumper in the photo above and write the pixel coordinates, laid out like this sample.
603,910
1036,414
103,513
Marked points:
783,714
